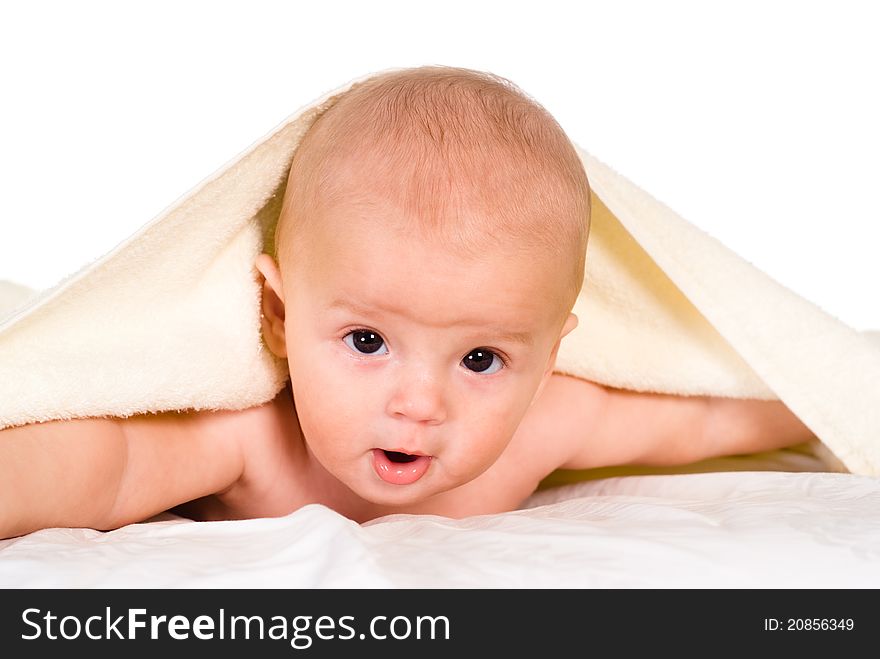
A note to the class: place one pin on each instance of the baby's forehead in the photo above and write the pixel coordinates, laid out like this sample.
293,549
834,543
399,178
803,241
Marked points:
368,223
406,278
502,323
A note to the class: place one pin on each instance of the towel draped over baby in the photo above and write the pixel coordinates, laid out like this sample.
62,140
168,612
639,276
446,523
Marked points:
170,318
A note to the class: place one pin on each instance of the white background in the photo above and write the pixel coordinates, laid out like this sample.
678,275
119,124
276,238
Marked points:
757,121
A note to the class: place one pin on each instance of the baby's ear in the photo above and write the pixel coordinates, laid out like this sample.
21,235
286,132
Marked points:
272,305
570,323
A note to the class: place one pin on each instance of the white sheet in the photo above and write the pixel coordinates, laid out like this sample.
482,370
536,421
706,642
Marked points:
728,529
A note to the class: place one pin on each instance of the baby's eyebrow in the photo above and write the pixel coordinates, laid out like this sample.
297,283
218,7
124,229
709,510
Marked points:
524,338
516,337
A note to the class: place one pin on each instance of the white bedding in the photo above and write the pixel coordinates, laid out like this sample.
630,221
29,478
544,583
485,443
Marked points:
745,529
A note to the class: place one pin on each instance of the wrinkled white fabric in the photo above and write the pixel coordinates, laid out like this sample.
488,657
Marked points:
728,529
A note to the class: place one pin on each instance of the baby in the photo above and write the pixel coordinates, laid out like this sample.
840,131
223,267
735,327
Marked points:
430,248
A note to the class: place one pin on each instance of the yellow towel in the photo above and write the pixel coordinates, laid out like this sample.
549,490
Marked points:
170,318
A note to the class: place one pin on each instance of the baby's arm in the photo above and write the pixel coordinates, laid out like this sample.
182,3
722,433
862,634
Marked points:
59,473
104,473
604,427
173,458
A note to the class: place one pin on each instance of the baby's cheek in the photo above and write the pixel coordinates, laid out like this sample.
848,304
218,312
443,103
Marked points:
329,414
499,423
487,445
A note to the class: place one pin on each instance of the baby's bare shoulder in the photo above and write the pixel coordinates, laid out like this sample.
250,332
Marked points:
559,423
270,479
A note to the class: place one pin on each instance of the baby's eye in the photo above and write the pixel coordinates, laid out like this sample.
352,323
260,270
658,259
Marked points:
481,359
364,341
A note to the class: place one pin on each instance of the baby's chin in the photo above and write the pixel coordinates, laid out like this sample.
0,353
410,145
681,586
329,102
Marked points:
422,492
432,490
393,496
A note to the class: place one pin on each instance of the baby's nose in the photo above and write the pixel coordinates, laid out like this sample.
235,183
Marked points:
419,399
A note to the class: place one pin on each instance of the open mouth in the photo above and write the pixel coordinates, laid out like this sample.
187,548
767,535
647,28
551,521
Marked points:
395,456
399,468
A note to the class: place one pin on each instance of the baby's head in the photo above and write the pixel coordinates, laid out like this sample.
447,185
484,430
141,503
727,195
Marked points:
430,248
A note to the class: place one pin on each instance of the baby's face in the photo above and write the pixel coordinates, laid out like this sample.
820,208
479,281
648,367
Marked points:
394,345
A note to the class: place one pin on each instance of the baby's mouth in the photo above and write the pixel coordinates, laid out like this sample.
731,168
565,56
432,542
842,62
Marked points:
396,456
399,468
